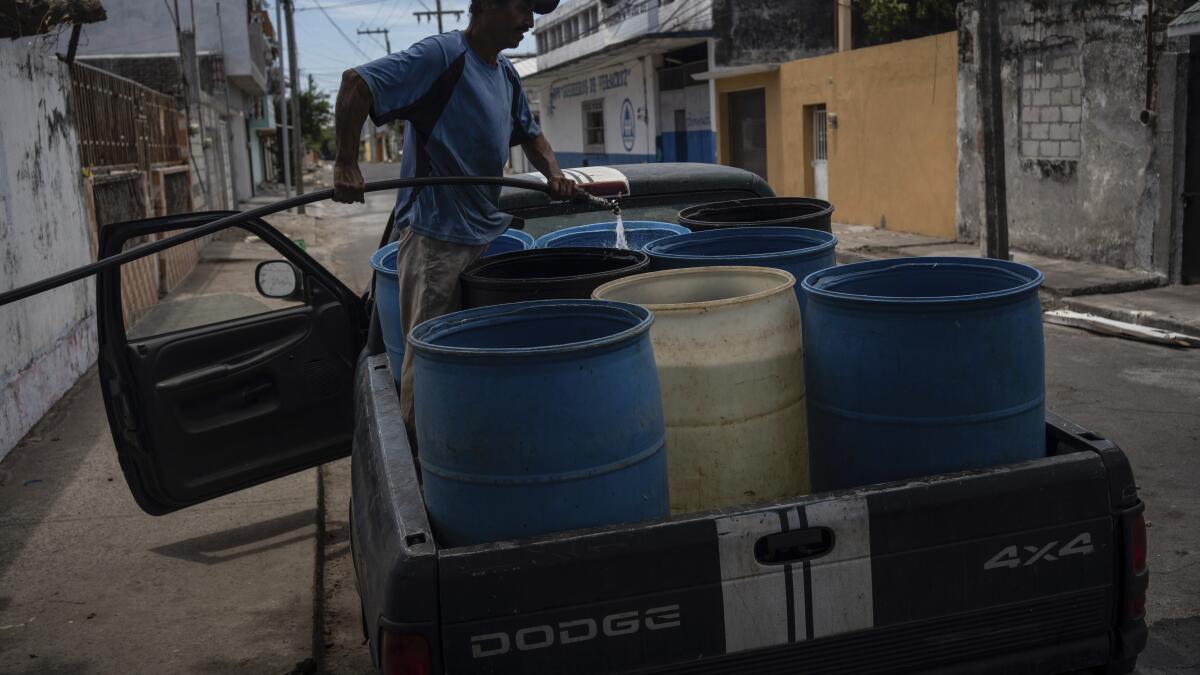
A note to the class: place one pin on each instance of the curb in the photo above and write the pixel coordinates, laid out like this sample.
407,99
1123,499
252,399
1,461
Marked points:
1126,315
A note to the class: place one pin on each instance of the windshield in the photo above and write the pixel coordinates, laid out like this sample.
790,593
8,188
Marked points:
664,208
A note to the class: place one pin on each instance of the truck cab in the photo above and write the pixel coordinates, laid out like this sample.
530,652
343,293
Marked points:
1032,567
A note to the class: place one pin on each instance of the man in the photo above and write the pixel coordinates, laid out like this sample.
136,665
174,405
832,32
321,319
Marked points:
465,108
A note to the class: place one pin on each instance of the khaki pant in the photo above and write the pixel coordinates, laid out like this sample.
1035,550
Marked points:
429,287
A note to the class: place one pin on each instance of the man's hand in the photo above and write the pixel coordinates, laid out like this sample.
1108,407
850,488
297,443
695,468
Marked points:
347,183
561,187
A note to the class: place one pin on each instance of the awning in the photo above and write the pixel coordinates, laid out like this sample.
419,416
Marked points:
736,71
1187,23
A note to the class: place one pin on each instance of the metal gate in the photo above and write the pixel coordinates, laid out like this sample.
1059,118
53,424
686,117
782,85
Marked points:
820,161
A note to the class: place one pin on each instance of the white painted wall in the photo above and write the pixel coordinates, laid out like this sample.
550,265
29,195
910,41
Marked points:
47,341
561,102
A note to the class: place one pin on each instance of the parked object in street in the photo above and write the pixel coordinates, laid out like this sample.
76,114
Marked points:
807,212
1032,567
920,366
638,233
387,304
797,250
1131,331
537,417
730,361
543,274
512,240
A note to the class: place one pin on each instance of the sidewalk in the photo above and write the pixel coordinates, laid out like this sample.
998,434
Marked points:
90,583
1125,295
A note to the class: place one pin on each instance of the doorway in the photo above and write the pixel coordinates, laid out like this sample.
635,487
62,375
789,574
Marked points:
819,150
681,153
748,131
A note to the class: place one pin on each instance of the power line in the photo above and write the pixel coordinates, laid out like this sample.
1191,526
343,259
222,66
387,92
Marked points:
377,31
353,3
339,30
439,12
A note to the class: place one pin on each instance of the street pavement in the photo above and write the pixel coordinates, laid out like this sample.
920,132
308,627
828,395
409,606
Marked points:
245,584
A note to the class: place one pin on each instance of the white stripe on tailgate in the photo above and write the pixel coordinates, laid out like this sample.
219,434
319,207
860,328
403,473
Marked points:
754,596
841,581
798,584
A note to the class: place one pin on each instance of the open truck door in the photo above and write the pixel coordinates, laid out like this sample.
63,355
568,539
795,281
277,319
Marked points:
222,391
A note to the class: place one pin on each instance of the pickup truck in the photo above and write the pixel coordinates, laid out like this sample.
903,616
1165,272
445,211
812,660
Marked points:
1031,567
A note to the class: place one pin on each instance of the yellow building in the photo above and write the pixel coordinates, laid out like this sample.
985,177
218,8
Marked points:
872,130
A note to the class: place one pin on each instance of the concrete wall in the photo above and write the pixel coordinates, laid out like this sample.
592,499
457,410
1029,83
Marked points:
628,91
49,340
1082,171
772,31
891,156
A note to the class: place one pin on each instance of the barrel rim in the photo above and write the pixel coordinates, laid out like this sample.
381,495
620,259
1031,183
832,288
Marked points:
826,210
378,257
749,232
418,339
1031,279
586,228
523,237
787,277
471,273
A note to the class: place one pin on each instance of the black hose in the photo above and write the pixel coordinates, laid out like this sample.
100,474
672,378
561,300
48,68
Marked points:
220,224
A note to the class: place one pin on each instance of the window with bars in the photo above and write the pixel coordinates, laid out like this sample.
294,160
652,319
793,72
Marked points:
593,125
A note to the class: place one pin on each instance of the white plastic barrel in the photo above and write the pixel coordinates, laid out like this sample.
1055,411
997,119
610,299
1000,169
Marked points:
730,363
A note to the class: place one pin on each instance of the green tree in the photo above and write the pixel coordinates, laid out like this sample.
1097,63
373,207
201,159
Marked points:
316,116
885,16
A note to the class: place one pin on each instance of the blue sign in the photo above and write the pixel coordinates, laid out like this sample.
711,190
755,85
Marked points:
628,126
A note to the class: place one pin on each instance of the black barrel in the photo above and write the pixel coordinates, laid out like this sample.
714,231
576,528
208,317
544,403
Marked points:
816,214
547,274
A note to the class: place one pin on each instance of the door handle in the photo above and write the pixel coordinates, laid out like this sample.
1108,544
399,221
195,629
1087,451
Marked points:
793,546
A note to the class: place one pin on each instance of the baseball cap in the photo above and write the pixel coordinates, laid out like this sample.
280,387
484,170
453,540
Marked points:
544,6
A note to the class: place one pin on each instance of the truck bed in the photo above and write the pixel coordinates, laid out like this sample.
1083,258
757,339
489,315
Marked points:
1014,568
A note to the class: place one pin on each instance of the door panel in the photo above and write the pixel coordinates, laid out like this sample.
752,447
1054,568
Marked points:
748,131
209,409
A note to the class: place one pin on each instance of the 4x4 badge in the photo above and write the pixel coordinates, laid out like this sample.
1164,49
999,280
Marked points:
1013,556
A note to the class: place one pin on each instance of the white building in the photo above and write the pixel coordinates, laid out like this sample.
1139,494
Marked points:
614,81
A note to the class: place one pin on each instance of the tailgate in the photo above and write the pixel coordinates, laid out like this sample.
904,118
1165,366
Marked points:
987,567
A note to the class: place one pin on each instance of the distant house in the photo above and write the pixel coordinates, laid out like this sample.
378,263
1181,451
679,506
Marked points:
233,143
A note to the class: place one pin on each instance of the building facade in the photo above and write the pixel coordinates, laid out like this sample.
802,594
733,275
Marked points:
235,50
1098,137
810,100
613,81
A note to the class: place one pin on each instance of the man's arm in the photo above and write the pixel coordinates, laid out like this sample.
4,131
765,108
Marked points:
353,104
540,153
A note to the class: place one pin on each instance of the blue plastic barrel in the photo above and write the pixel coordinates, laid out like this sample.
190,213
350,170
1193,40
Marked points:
537,417
797,250
509,241
387,304
921,366
638,233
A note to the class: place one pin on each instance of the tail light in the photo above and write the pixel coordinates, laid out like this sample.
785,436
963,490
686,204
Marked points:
1138,575
1138,543
405,654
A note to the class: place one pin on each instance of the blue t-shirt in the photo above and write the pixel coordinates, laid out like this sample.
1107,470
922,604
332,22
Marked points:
463,115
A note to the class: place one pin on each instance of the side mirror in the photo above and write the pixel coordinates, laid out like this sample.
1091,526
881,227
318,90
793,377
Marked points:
278,279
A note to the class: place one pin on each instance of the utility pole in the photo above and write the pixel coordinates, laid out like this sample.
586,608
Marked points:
283,106
990,97
377,31
429,14
185,71
371,125
298,136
